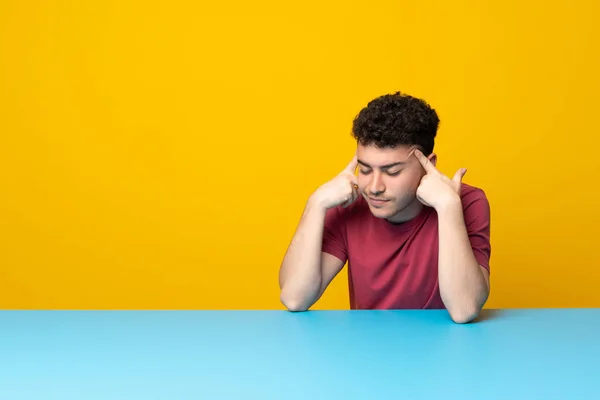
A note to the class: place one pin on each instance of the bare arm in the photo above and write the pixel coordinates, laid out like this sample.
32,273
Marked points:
306,271
464,284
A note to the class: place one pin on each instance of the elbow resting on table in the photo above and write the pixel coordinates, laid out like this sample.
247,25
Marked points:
464,316
293,303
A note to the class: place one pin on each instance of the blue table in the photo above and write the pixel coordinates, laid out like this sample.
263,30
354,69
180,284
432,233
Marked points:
513,354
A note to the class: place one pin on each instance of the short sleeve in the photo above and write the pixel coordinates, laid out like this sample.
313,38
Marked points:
476,209
334,234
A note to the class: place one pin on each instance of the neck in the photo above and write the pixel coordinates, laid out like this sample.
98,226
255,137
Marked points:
408,213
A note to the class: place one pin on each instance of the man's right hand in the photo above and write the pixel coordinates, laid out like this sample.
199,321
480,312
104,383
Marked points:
343,189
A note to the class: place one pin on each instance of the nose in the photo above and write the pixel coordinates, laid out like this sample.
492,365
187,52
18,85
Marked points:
376,186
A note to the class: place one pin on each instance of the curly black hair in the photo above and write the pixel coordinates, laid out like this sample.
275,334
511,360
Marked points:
396,119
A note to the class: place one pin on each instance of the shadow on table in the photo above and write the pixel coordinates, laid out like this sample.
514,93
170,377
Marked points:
488,314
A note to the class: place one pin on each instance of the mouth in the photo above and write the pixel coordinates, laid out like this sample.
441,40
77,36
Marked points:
377,202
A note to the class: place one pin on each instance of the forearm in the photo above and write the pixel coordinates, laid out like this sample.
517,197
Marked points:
300,273
463,287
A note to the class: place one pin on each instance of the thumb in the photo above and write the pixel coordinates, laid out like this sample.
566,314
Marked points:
459,175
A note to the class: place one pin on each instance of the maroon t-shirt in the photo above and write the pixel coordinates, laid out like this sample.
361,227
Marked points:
395,266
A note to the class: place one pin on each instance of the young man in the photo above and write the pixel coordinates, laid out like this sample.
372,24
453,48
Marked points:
413,238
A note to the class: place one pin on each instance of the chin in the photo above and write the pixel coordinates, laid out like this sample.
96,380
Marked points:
383,212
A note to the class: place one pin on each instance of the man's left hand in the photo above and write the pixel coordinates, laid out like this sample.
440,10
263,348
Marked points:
437,190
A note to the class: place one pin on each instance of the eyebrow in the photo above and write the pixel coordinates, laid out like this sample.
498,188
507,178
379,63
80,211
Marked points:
383,166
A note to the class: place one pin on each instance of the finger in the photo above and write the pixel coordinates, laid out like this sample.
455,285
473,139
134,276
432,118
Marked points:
355,194
351,167
459,175
352,198
425,162
418,195
349,200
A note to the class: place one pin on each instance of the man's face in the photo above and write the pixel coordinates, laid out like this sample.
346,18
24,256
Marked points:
388,179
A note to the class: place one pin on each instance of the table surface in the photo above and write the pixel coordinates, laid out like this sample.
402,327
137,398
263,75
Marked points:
508,354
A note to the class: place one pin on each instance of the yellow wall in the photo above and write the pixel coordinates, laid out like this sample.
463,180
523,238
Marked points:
154,154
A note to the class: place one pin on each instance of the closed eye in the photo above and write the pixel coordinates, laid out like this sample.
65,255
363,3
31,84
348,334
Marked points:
367,172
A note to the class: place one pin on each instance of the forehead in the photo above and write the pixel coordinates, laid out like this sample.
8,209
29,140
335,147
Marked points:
377,156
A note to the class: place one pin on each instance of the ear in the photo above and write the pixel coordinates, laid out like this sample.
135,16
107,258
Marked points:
433,159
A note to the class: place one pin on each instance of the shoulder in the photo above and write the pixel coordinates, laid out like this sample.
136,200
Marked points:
471,194
475,204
